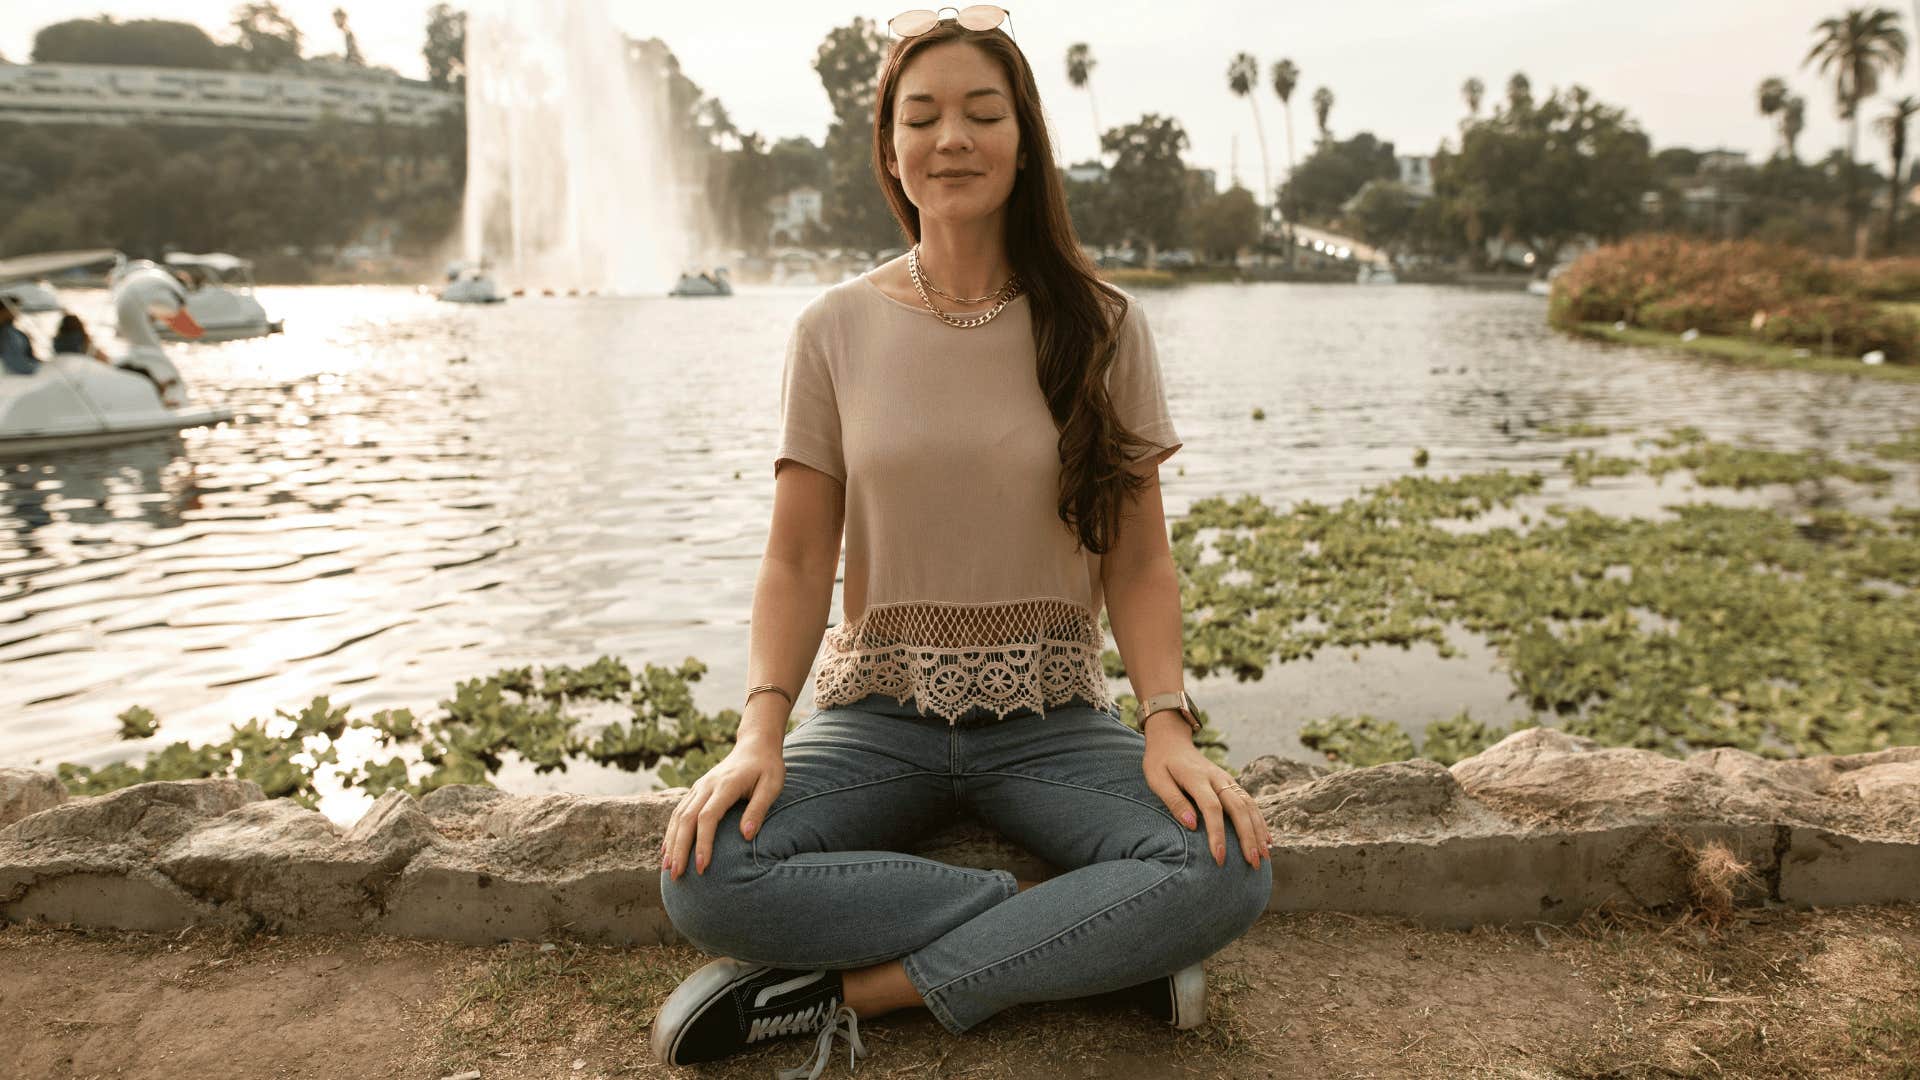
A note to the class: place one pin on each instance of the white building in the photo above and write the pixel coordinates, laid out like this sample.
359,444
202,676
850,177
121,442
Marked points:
111,94
1087,172
1723,160
1416,174
791,212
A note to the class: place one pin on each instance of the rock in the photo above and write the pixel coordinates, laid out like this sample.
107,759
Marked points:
24,792
151,815
288,866
1397,800
1543,776
1520,750
91,861
1828,774
456,809
1270,774
395,825
538,867
1894,786
1871,795
570,832
1755,773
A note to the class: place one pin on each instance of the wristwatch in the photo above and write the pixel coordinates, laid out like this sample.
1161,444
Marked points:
1177,700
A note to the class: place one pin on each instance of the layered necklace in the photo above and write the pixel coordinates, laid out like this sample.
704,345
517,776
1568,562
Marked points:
1005,292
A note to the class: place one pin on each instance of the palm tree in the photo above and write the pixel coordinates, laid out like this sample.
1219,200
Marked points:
1474,91
1080,64
1857,47
1773,98
1322,105
1520,93
1285,78
1894,126
1793,120
1243,78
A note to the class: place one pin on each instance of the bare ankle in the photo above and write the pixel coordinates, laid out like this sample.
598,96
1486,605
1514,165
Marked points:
879,989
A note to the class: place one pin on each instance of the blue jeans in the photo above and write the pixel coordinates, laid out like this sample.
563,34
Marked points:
824,883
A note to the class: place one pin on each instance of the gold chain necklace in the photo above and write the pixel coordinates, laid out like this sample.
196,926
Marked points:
937,291
1007,292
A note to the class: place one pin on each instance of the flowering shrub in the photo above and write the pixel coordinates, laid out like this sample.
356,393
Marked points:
1857,327
1890,279
1743,288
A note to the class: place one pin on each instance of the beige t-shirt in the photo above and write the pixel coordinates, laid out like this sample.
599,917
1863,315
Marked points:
963,586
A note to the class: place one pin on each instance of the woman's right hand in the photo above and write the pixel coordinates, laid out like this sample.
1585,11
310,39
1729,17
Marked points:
755,767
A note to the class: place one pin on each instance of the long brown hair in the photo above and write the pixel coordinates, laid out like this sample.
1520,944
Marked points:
1076,316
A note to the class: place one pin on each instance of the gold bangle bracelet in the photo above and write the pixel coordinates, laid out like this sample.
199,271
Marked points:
768,686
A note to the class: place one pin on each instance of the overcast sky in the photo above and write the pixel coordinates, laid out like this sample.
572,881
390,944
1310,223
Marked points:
1687,70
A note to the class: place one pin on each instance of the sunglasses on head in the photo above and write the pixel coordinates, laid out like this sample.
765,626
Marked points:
974,17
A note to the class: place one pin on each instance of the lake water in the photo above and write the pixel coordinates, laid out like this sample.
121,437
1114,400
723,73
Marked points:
417,493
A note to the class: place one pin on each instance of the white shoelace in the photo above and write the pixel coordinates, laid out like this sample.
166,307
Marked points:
816,1062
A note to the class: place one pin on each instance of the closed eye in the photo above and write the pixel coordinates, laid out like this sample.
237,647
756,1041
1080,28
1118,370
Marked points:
975,119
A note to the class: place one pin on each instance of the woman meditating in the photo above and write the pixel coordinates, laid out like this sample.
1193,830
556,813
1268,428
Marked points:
986,419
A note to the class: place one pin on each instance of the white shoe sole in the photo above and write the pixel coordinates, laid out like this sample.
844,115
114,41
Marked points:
1190,996
693,994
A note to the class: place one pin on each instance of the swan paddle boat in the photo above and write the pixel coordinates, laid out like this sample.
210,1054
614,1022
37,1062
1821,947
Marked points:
469,283
75,401
22,278
1376,274
222,299
703,283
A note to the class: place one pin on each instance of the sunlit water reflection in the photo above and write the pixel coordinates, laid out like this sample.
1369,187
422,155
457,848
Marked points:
415,493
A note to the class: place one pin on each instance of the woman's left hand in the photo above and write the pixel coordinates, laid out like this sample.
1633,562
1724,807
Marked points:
1183,778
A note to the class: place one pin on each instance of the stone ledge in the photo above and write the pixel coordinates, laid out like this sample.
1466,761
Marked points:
1541,826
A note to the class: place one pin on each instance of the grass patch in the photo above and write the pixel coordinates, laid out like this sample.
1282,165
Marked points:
1746,352
560,993
1139,278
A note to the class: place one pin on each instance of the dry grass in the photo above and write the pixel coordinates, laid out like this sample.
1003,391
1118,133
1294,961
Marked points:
1710,992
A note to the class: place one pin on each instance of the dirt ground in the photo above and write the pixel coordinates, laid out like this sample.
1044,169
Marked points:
1770,994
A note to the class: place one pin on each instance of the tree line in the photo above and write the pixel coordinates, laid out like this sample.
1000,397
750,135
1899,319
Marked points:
1524,170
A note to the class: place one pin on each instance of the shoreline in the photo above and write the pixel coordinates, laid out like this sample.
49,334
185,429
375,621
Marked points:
1744,353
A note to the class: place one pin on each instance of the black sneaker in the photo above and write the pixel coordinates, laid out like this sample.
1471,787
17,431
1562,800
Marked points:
1179,999
729,1005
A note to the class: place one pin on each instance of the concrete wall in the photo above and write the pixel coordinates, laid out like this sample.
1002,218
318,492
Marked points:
1542,826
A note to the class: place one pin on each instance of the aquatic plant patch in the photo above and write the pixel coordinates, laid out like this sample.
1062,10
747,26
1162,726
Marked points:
485,720
1723,626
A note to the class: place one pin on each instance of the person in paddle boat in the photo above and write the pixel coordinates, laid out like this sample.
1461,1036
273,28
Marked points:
981,421
72,337
16,348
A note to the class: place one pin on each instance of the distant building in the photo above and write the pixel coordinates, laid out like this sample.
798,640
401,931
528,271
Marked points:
1701,203
1203,180
1722,160
1416,174
791,213
1087,172
111,94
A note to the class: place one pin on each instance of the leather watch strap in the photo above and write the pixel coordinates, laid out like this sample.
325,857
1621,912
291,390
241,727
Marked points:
1177,700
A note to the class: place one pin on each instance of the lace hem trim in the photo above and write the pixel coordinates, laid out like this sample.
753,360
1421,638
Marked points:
1037,654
